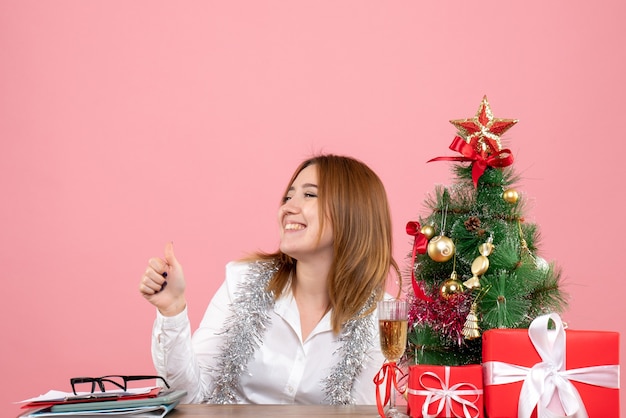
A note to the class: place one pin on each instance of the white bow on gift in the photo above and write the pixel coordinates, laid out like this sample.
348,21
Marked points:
446,394
550,376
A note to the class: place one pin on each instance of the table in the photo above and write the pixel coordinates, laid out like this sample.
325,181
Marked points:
295,411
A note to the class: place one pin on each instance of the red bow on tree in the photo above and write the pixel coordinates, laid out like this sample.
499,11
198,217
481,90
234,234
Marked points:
419,246
480,160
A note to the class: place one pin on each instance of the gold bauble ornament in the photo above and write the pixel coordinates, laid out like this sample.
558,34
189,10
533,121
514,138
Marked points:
428,231
510,195
441,248
451,287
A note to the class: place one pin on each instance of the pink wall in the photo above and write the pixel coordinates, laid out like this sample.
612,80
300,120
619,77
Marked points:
127,124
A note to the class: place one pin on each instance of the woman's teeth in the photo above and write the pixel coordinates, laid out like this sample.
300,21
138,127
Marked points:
291,227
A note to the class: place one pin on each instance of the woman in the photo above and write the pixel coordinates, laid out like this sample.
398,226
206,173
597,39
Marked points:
297,325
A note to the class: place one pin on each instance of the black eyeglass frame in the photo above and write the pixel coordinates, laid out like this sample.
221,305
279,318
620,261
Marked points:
109,378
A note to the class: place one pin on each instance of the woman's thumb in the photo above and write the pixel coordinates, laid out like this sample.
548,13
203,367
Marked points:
170,258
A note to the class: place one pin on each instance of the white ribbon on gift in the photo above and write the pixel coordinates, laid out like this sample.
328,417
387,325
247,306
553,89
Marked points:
549,376
446,394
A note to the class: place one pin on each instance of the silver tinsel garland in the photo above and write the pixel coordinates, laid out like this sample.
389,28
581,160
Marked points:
244,330
356,338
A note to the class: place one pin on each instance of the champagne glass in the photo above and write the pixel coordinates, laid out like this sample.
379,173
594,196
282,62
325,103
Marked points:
392,324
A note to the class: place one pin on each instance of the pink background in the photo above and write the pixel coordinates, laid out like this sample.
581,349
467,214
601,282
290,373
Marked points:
125,124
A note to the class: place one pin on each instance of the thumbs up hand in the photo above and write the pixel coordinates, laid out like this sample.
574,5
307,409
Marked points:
163,283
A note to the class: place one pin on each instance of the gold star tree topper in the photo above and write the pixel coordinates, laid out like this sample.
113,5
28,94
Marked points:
483,131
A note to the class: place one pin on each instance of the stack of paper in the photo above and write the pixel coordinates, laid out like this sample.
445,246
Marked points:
143,402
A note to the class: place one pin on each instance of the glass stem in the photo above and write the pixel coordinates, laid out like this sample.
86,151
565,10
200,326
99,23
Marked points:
392,398
392,395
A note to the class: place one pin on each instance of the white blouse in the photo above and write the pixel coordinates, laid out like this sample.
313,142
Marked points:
284,369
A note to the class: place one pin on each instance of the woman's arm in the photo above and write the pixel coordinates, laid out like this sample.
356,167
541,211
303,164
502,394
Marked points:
186,362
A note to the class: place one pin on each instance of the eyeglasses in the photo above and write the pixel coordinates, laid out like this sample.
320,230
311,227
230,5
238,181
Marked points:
82,384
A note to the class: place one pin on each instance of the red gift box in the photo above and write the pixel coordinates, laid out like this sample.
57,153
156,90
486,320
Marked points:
445,391
563,372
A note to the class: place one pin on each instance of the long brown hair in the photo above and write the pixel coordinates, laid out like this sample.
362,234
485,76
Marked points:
353,198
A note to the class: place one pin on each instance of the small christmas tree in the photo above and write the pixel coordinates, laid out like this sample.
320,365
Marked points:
474,261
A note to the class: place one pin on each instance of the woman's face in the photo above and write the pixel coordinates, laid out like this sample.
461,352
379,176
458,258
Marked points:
298,218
